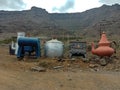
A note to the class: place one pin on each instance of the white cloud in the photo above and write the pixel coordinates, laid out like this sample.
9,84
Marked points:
46,4
55,5
60,5
69,4
110,2
12,4
82,5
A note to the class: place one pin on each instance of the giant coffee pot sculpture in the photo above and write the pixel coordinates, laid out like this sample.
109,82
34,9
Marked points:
104,48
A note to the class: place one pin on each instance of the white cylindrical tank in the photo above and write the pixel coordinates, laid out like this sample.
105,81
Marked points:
19,34
54,48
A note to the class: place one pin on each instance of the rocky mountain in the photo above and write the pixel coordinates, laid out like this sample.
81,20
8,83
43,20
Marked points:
105,18
39,22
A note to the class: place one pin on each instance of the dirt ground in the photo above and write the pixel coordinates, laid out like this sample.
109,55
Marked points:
17,75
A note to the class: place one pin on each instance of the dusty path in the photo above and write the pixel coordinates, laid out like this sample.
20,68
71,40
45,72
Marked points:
14,76
14,80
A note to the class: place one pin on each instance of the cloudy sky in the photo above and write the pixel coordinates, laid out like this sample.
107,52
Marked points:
60,6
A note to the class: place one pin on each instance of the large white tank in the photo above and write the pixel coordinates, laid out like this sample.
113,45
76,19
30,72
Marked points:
54,48
19,34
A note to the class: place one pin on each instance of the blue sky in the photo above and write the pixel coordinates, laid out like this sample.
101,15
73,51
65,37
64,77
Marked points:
60,6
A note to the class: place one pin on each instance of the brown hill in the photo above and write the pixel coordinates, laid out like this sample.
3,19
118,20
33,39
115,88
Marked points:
39,22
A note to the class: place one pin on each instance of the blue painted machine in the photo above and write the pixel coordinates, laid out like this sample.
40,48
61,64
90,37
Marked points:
28,45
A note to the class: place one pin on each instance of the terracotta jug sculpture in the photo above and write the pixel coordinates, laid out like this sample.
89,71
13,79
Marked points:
104,48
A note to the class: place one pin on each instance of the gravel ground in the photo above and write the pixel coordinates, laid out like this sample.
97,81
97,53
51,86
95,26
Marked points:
17,75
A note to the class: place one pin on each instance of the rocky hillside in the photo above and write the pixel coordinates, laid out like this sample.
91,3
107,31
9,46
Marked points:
39,21
105,18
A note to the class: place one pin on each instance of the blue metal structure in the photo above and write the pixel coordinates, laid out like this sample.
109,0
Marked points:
28,45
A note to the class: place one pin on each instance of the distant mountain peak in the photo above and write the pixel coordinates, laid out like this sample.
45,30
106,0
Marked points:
34,8
104,5
114,5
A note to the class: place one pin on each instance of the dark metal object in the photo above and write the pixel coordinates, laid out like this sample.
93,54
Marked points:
77,48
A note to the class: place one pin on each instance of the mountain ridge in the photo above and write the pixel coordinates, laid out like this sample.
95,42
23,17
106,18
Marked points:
38,21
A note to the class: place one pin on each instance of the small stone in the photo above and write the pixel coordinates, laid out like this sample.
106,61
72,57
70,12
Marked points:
94,70
73,59
61,85
93,65
85,60
81,70
68,65
103,62
57,67
116,69
70,79
39,69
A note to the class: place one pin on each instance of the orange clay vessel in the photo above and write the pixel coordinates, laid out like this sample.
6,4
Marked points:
104,48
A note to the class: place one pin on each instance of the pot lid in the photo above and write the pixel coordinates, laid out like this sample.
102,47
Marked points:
103,39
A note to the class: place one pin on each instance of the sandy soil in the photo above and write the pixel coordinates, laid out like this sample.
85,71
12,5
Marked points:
16,75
